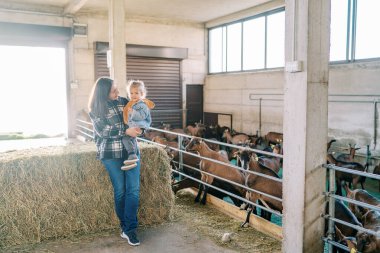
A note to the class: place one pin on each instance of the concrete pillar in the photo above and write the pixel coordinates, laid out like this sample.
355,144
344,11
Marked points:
117,44
305,123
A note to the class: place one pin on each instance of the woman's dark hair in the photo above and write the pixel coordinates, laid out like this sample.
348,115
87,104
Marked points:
97,103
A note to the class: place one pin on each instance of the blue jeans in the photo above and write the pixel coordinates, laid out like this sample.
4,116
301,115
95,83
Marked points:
126,187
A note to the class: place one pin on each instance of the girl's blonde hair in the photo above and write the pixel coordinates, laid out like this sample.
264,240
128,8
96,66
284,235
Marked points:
136,84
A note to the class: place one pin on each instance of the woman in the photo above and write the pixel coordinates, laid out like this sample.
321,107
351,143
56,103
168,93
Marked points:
106,113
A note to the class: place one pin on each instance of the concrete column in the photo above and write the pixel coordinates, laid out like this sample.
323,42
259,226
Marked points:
117,44
305,123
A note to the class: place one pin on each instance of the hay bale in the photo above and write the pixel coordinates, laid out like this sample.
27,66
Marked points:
58,192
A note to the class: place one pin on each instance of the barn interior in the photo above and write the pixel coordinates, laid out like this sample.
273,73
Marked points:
310,70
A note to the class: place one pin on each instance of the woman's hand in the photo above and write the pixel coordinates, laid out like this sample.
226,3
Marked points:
133,131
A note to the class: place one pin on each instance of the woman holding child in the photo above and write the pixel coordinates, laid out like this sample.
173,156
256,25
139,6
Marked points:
106,112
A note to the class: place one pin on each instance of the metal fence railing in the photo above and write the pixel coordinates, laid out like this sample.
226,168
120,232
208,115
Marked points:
332,197
85,129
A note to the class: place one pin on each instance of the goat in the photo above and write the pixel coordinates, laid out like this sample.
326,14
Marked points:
150,134
236,139
188,161
224,171
172,137
273,163
362,196
212,132
342,212
244,156
345,176
198,130
213,146
368,243
274,138
262,184
348,157
350,242
172,144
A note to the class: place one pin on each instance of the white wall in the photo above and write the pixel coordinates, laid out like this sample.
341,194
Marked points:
349,122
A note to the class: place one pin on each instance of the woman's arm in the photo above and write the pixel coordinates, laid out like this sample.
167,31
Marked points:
104,130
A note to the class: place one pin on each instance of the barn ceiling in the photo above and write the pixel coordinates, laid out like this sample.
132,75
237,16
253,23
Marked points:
198,11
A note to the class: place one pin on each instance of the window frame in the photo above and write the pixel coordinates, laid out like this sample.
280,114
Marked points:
351,37
241,21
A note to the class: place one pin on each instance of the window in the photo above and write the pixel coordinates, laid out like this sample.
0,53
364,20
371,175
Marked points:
216,50
367,44
254,43
234,47
276,40
353,30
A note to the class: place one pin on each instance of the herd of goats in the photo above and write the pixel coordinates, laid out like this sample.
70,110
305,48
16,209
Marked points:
204,157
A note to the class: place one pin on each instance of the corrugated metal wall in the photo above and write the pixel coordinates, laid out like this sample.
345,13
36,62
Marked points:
162,78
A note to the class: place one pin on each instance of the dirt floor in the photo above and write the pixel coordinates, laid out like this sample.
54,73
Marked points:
194,228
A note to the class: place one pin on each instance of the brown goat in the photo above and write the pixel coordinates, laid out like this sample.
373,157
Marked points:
367,243
273,163
274,138
262,184
198,130
362,196
350,242
342,212
236,139
167,143
213,146
350,156
223,171
150,134
172,137
345,176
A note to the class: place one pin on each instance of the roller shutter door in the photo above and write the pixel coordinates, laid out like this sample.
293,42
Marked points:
162,78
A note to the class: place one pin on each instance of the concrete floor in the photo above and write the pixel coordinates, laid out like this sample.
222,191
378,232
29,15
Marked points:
173,237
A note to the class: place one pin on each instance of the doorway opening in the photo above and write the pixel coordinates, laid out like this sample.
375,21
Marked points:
33,94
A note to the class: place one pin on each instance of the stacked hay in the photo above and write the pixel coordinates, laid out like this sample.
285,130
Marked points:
62,191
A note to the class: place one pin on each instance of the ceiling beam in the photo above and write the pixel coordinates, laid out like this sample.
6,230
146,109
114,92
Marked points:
74,6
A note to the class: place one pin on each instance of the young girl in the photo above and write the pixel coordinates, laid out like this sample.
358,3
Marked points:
136,114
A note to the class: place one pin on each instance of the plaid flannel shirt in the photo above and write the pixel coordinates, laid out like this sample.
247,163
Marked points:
108,131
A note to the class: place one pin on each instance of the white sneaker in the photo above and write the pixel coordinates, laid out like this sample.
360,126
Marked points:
129,166
131,238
